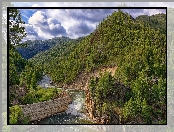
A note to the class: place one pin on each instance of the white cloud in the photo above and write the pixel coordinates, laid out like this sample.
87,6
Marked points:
36,5
71,18
38,18
74,23
45,26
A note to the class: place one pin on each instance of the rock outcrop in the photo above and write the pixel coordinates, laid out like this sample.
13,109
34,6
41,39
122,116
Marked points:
119,95
81,81
41,110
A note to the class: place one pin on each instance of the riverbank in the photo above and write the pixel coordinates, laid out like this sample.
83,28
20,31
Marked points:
74,113
41,110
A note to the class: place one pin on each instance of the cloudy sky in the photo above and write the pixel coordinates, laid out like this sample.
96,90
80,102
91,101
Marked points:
74,23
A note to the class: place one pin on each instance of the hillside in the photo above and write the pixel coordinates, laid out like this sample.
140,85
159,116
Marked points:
157,21
44,57
34,47
17,64
111,44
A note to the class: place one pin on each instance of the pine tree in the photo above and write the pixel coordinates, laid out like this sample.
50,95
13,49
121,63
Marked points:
33,81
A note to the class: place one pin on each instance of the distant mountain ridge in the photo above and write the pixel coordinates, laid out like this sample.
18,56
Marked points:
35,46
45,57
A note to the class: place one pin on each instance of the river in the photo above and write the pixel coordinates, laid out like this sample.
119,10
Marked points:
74,114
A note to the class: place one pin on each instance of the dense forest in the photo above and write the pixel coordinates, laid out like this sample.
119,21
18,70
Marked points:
43,58
158,21
137,46
31,48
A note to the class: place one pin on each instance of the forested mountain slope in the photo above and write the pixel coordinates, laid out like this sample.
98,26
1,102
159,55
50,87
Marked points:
34,47
16,65
63,49
155,21
118,40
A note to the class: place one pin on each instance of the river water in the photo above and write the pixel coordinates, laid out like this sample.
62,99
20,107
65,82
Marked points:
74,114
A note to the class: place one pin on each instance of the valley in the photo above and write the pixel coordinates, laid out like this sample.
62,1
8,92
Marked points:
114,75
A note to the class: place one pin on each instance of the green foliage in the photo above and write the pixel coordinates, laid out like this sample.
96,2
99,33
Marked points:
137,107
13,75
107,94
158,21
105,86
147,97
39,94
16,29
46,94
92,86
29,98
16,33
16,116
129,109
33,81
30,75
16,65
40,47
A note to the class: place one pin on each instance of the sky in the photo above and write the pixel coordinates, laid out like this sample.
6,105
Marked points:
49,23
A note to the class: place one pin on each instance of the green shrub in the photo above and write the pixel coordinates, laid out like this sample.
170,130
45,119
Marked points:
39,95
17,116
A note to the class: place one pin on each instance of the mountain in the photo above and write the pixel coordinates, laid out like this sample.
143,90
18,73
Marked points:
44,57
35,46
117,40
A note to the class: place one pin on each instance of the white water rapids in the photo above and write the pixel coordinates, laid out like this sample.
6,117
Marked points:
74,114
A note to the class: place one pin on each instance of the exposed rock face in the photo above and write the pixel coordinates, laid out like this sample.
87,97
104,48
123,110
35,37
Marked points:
81,81
89,102
92,113
38,111
119,95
